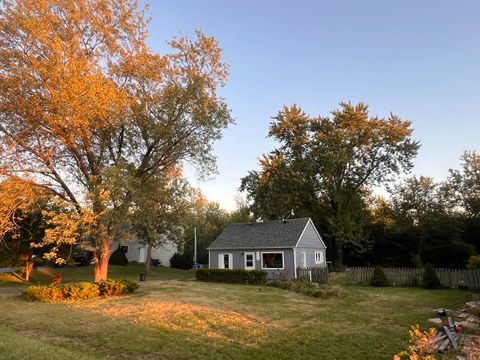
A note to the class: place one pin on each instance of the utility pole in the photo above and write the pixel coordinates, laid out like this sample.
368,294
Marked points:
195,246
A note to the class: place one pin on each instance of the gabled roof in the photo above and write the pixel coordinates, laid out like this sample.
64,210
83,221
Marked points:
271,234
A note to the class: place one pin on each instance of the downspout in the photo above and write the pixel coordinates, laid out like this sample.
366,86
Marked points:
295,262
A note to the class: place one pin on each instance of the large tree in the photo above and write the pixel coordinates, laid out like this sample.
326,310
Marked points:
326,166
416,204
90,114
463,186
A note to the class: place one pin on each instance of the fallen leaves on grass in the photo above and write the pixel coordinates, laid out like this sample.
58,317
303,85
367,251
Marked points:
472,347
192,319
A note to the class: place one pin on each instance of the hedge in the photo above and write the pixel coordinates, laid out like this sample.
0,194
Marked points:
239,276
80,290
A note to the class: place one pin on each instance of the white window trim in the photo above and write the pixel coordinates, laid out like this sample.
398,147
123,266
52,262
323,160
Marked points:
320,256
253,260
221,264
273,252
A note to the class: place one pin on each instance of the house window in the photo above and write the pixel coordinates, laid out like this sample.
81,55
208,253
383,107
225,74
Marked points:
272,260
318,257
249,261
124,248
225,261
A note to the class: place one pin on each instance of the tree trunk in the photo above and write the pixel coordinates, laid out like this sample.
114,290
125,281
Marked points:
421,241
28,269
339,260
101,265
148,263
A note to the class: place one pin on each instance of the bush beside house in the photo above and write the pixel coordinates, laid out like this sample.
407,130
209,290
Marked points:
237,276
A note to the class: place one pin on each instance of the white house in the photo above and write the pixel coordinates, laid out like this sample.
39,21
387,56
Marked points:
136,251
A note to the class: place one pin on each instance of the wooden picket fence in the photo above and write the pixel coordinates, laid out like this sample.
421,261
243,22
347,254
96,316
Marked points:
313,274
449,278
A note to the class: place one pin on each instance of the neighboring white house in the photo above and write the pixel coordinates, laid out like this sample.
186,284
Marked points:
136,251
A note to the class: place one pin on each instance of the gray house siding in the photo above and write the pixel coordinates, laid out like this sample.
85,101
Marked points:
239,260
309,243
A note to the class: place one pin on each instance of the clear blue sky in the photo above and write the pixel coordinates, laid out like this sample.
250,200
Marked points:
417,59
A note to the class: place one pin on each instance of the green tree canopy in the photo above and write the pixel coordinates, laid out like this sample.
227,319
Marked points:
325,166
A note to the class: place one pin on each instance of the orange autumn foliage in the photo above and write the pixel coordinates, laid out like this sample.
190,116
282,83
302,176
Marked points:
422,345
90,114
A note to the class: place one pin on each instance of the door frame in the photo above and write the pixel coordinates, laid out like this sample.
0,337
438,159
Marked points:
142,255
221,260
303,258
245,261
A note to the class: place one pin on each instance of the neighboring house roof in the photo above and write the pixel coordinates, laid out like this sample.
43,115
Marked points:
271,234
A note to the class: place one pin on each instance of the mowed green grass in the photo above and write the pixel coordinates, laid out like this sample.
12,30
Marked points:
192,320
85,273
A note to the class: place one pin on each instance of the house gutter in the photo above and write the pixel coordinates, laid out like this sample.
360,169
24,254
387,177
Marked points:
251,248
295,261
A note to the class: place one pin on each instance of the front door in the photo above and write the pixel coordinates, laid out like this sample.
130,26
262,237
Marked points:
249,261
304,259
142,256
225,261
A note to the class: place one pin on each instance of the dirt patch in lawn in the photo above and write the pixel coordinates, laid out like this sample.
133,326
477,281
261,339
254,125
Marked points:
227,326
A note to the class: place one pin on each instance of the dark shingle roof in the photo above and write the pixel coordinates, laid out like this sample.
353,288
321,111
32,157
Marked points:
281,233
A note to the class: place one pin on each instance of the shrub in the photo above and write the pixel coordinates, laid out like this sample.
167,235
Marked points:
473,262
430,278
118,257
81,290
117,288
131,285
235,276
378,279
309,289
44,293
181,261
